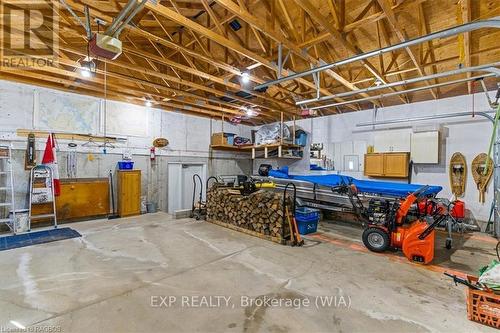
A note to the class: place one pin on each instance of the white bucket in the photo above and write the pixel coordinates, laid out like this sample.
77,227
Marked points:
22,220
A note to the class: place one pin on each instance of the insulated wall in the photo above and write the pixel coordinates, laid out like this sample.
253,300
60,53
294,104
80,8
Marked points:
468,135
29,107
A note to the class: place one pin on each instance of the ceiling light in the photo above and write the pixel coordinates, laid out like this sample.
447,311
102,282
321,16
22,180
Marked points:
85,72
245,77
250,112
149,103
88,67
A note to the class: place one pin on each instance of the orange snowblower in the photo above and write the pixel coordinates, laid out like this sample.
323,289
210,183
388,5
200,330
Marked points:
416,239
388,228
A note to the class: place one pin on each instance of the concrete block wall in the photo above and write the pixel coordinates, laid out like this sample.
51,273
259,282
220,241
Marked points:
189,138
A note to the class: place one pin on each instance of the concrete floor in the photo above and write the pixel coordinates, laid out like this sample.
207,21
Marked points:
111,280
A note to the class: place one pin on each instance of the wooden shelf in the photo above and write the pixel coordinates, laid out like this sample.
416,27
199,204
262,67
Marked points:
229,148
273,146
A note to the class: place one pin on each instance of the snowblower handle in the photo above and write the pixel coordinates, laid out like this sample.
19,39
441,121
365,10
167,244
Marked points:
421,191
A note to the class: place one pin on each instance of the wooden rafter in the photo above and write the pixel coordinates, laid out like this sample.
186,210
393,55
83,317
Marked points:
395,25
185,56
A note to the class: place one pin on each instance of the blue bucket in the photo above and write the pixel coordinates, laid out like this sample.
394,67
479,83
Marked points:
125,165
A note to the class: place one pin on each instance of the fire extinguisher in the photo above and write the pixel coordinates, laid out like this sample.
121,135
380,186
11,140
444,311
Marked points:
152,153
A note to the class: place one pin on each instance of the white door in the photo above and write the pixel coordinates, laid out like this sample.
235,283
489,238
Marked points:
188,171
180,185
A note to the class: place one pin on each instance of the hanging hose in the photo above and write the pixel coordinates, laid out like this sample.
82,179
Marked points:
208,180
195,177
493,139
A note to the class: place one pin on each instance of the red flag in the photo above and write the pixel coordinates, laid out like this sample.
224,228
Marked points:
50,159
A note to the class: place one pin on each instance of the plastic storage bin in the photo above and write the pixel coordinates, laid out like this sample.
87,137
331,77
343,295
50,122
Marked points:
301,138
230,138
125,165
483,306
307,220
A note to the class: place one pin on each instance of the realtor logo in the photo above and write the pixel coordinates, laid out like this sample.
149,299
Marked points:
29,34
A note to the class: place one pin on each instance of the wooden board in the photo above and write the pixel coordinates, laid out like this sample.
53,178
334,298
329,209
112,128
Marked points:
458,174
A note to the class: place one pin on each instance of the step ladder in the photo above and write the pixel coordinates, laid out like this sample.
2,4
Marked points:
7,203
42,193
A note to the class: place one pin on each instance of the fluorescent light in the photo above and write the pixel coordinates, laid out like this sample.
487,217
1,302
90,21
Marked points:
245,77
250,112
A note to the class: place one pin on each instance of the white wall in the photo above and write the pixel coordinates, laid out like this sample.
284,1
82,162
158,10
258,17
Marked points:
189,138
467,135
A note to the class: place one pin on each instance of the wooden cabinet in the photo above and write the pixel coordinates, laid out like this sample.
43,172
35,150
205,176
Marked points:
129,192
374,165
394,165
81,198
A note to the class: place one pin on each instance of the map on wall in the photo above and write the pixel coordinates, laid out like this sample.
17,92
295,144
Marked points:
126,119
67,113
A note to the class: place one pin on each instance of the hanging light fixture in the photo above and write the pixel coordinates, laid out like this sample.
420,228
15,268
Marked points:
245,77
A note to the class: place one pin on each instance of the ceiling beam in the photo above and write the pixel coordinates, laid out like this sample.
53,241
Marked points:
397,28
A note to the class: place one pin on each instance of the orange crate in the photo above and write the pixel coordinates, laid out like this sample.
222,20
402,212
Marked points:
483,306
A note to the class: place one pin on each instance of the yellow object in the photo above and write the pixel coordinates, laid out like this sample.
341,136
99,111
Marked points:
479,165
393,165
129,192
90,157
266,185
370,149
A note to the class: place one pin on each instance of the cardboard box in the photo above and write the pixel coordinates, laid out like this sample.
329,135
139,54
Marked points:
218,139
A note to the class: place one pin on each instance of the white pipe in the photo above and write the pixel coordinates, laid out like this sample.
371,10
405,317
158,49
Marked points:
490,23
439,116
403,91
398,83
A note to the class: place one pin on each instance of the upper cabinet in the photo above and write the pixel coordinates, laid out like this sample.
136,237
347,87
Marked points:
392,141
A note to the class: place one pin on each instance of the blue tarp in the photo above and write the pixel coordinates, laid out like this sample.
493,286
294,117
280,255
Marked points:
364,186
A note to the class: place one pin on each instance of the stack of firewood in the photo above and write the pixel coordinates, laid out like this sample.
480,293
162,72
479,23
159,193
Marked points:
260,212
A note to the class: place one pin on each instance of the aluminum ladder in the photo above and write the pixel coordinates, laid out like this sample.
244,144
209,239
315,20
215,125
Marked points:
42,193
7,189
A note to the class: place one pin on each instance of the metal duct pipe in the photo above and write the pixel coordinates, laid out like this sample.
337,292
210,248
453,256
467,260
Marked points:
121,15
409,81
403,91
484,114
127,21
87,21
490,23
70,10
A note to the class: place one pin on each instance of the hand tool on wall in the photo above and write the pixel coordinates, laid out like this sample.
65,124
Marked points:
30,157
